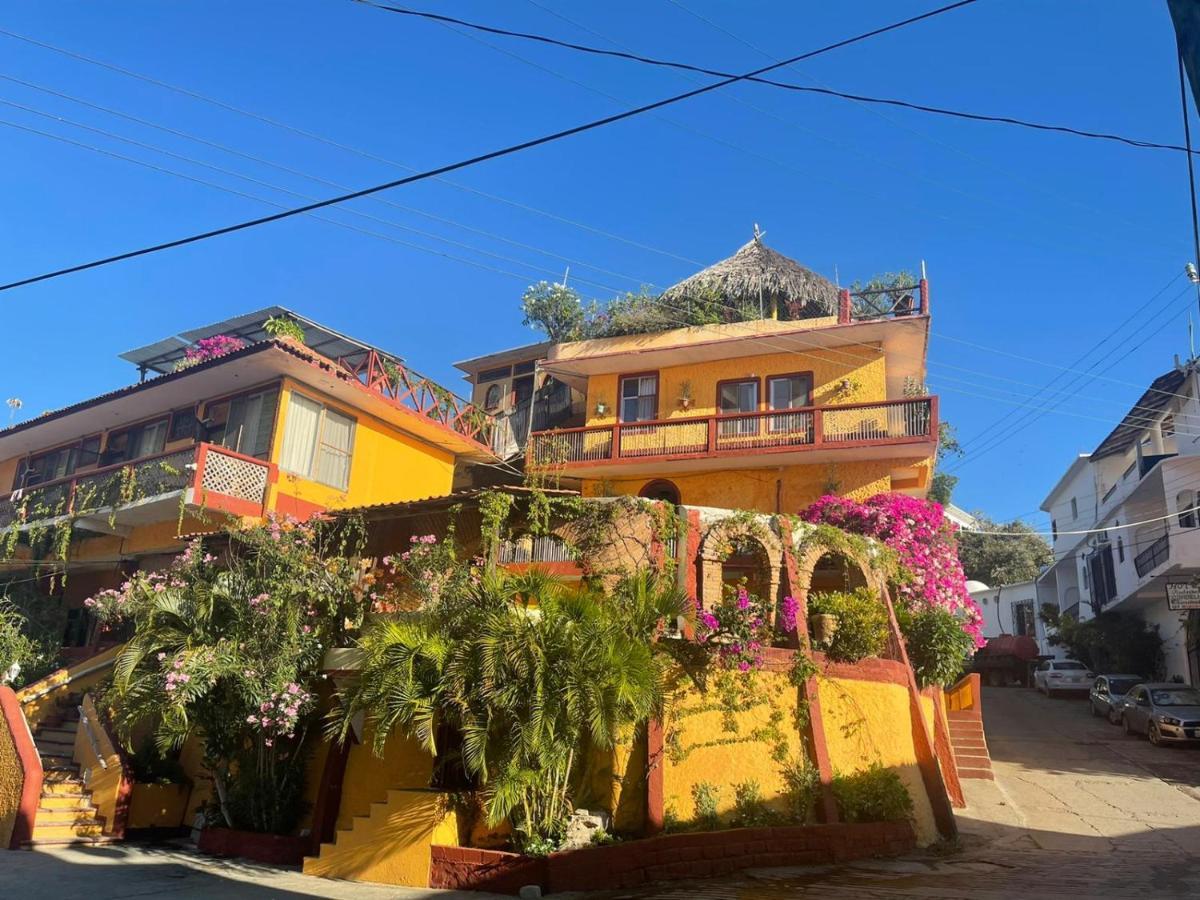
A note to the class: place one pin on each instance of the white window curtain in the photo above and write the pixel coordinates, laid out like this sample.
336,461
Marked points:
300,435
333,451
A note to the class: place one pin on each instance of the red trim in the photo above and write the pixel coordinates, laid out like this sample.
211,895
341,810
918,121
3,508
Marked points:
567,569
329,795
845,307
31,767
235,506
287,505
924,297
943,748
274,849
125,788
655,794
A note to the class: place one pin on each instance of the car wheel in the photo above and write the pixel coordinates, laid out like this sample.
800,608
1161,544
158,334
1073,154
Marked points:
1154,734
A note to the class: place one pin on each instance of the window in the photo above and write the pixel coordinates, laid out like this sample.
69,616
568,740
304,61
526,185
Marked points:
1185,502
137,442
738,397
1120,549
1022,615
1168,426
494,375
1074,509
639,398
183,425
317,442
790,392
244,424
1054,529
491,399
58,463
1103,579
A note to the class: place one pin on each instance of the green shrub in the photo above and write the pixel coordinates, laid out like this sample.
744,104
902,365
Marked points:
872,795
862,628
749,808
705,797
938,648
1113,641
151,766
802,783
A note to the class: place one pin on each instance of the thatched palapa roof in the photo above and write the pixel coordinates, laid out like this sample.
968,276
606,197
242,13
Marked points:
758,271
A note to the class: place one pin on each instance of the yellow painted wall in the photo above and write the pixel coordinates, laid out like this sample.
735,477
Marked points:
12,781
100,764
387,466
40,698
868,722
756,488
699,748
404,764
615,780
863,365
392,845
191,759
158,806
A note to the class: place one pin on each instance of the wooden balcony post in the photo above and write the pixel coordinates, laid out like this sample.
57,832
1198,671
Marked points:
924,297
844,307
818,426
614,451
711,425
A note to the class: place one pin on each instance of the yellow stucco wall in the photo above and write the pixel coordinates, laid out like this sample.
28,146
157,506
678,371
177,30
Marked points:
756,488
101,764
41,698
392,846
404,764
864,366
12,781
158,806
387,465
869,722
699,747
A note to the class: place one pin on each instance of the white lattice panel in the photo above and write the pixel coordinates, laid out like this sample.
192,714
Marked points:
234,477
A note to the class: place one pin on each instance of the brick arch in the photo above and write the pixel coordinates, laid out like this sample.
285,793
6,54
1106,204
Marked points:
808,555
711,557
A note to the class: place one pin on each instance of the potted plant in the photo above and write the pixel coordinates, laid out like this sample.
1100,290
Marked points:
685,395
602,407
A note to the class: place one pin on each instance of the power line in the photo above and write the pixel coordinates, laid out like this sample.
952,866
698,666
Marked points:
330,142
480,158
845,95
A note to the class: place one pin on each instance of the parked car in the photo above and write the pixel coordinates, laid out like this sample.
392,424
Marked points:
1107,693
1165,713
1056,675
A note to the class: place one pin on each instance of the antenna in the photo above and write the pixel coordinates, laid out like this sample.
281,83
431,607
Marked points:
566,272
1191,340
923,278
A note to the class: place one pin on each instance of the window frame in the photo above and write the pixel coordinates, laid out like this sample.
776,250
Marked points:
261,388
73,464
631,376
139,426
318,441
488,403
775,424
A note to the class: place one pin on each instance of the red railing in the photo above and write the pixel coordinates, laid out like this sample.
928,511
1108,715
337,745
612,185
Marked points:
216,476
849,425
419,394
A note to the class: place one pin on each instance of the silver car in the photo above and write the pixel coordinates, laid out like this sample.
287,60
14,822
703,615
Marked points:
1166,713
1107,693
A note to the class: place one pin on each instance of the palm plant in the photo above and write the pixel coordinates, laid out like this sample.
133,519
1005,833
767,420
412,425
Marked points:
529,673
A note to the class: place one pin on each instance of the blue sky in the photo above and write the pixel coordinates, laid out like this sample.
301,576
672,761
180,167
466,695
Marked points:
1037,245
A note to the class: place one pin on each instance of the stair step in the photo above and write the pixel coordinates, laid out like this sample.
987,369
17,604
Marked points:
66,831
63,842
55,817
55,802
62,735
981,774
969,746
53,748
59,763
973,760
61,781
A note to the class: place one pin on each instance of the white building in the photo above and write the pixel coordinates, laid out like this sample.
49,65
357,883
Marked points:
1126,522
1012,609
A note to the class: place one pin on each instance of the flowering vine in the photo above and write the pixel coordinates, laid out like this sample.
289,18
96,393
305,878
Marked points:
922,539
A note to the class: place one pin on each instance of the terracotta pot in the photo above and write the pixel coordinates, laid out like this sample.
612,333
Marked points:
685,403
823,626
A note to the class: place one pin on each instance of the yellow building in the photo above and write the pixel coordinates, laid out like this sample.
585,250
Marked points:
272,425
823,394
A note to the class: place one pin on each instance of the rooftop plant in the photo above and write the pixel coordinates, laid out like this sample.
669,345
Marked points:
209,348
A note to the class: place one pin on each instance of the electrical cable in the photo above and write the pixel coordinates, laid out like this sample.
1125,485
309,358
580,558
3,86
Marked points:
477,159
845,95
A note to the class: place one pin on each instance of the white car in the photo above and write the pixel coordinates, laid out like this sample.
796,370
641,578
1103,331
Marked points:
1057,675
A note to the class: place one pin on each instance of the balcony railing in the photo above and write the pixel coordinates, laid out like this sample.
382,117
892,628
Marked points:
850,425
213,476
1152,557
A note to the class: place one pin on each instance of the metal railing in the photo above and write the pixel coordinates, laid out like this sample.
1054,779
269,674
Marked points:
544,548
855,424
1152,557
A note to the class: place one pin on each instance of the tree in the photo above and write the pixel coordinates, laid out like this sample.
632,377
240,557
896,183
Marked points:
229,649
1113,641
528,673
997,559
883,293
554,308
31,631
941,486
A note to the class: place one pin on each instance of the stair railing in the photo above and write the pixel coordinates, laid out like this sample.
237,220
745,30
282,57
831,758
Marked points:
86,724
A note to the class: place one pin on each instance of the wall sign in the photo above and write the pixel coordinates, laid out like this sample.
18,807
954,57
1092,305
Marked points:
1183,595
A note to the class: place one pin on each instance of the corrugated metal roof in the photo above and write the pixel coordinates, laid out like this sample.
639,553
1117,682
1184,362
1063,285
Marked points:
375,509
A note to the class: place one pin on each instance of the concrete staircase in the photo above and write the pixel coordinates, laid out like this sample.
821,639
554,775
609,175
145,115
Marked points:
65,812
970,746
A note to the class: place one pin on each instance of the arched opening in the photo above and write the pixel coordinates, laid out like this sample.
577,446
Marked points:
748,566
847,617
661,489
834,572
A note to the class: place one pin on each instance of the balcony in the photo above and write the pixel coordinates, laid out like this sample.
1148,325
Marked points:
1152,557
809,435
114,499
